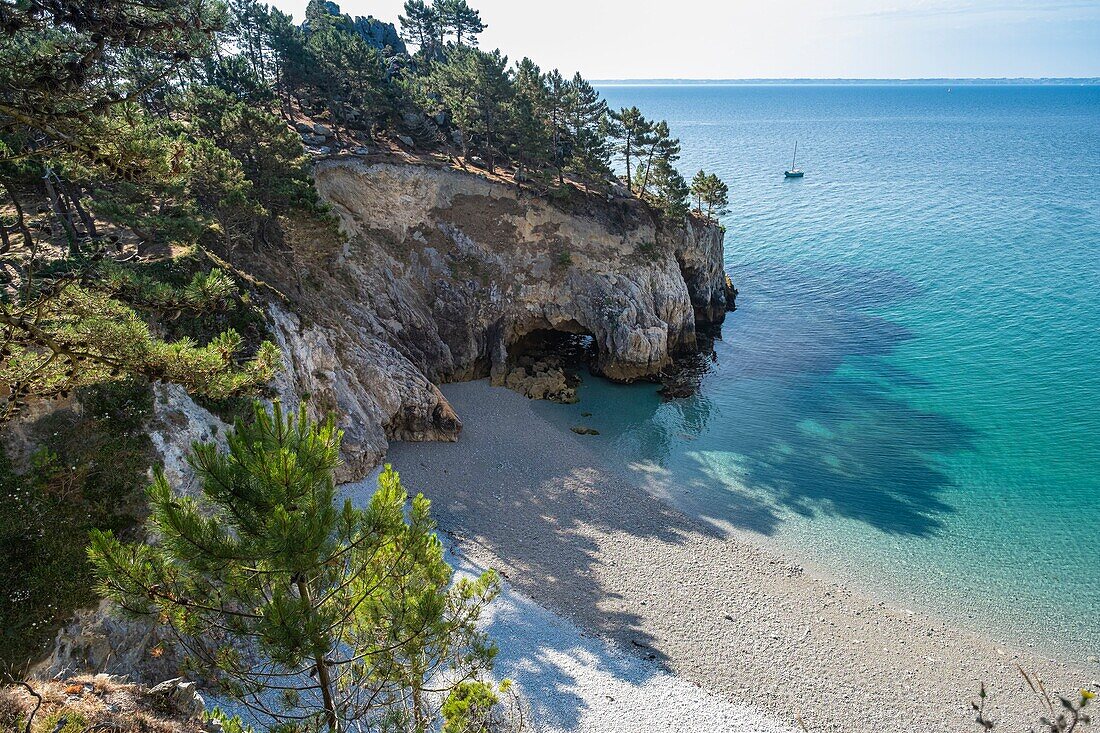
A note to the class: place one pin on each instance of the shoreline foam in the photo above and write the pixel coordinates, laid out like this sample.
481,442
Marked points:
742,621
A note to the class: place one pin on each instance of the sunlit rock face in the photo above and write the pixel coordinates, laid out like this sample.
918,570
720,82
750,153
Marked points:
441,274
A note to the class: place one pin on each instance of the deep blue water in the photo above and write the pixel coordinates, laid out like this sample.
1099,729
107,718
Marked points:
909,392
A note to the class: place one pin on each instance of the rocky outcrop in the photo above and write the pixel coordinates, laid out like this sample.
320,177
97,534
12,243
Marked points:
465,266
377,33
441,272
699,250
542,379
344,365
102,639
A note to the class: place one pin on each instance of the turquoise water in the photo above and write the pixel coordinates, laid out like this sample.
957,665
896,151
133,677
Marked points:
909,391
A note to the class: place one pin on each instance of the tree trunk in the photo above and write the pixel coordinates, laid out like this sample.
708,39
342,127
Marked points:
60,211
629,178
323,678
20,218
648,168
85,218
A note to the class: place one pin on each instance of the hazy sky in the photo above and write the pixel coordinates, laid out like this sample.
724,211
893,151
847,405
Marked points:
726,39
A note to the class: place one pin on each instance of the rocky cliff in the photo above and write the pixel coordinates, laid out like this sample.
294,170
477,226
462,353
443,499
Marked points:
435,275
441,273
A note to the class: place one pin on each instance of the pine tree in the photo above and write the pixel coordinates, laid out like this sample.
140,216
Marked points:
294,601
634,134
699,189
559,96
671,190
661,146
419,26
85,126
717,199
709,190
532,146
475,88
587,129
458,18
290,59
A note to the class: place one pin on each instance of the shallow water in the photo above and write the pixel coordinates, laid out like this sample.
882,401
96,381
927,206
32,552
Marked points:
909,391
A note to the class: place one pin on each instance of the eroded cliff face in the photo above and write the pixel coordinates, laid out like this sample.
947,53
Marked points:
442,272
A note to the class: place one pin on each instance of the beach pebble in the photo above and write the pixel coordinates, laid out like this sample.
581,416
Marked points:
1094,659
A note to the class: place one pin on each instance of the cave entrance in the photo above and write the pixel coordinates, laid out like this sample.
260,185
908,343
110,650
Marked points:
544,363
571,349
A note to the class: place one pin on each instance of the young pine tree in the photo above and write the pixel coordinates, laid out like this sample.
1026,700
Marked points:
302,607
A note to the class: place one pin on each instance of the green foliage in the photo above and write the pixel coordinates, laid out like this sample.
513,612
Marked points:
468,707
79,336
274,585
63,64
670,193
708,190
88,473
632,134
531,144
587,123
133,158
270,156
429,25
475,87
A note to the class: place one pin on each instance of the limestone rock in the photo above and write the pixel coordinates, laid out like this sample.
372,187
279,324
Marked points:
444,271
179,696
178,422
99,639
543,381
378,34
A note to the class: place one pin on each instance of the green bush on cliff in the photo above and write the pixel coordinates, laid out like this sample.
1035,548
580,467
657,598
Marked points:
88,473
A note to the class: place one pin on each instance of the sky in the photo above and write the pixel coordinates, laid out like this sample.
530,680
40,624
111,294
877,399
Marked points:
740,39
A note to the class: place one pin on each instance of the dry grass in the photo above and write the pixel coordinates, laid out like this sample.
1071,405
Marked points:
89,704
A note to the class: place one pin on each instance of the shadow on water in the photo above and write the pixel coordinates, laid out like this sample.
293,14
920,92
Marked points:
803,413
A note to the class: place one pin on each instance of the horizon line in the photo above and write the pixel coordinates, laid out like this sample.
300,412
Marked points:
857,80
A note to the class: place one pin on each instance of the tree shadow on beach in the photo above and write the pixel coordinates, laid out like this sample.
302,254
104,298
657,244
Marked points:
794,430
540,501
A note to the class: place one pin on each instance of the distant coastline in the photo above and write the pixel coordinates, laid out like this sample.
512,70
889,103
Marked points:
1021,81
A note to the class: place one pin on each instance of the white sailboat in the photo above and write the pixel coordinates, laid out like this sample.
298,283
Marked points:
794,172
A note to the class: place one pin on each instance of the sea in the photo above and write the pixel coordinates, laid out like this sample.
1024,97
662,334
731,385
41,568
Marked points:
908,394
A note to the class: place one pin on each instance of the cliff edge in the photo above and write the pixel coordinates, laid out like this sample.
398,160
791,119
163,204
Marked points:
443,274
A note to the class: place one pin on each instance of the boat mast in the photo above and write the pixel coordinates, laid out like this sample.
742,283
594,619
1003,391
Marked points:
795,157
